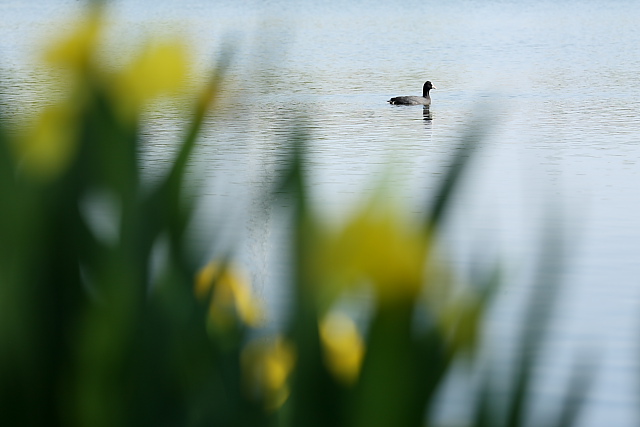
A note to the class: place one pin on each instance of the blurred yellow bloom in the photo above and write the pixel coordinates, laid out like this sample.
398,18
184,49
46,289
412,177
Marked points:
381,247
460,321
266,366
75,50
160,70
47,146
232,299
343,347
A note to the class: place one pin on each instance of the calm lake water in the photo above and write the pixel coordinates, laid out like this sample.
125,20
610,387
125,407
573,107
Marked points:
553,84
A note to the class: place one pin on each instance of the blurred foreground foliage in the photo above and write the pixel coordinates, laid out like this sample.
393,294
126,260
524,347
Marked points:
95,331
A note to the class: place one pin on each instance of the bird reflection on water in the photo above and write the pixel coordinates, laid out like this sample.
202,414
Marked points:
426,114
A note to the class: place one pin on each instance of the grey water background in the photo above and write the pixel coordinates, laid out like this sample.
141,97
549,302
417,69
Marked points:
553,85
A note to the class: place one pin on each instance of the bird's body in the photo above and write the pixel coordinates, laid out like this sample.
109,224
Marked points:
410,100
425,99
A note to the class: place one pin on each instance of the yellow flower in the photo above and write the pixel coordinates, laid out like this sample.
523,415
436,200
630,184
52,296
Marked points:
460,320
75,51
47,146
232,299
266,366
380,247
343,347
160,70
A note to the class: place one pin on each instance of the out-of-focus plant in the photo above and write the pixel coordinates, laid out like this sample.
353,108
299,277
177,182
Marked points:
232,301
386,369
90,334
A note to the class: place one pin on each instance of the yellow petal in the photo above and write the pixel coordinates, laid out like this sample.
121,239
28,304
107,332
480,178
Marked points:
343,347
48,144
205,278
160,70
266,367
248,308
232,299
380,247
75,50
461,321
